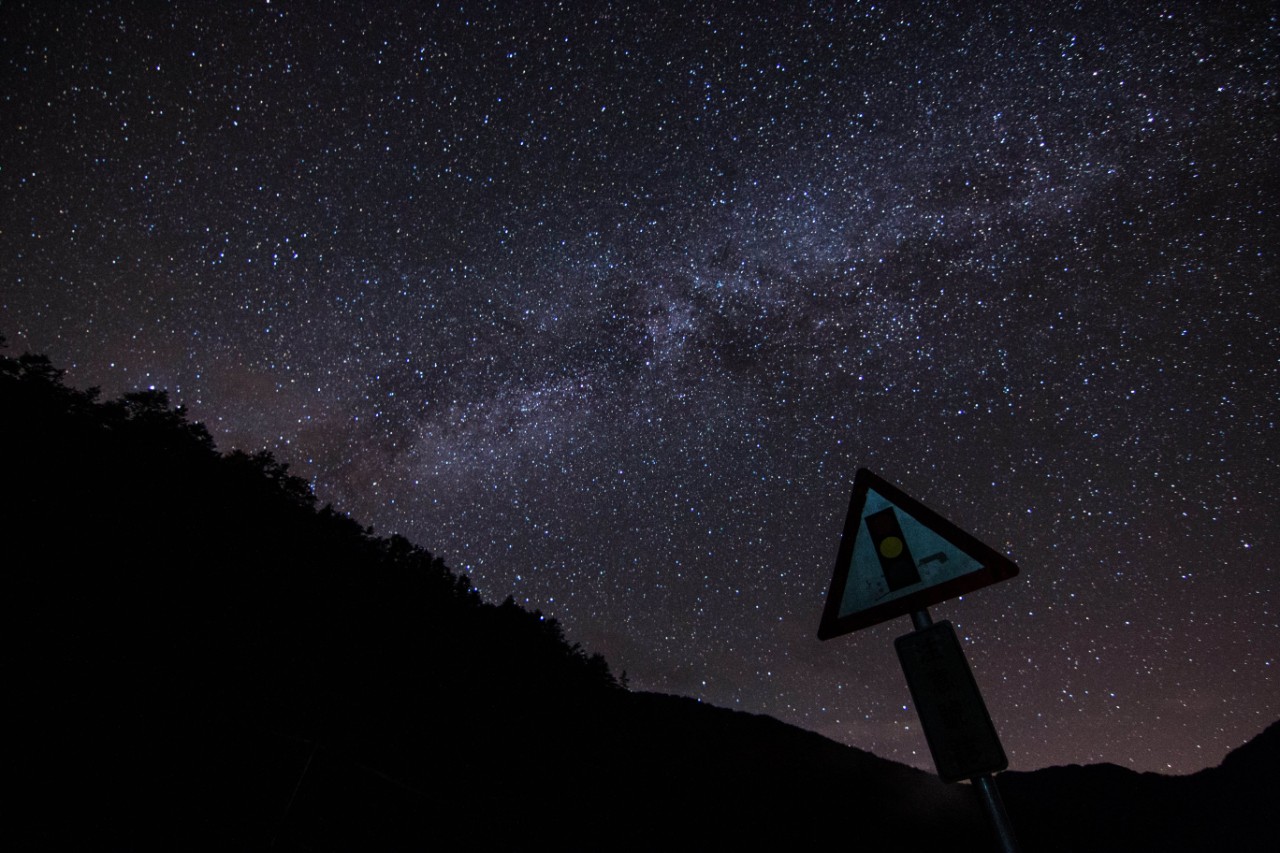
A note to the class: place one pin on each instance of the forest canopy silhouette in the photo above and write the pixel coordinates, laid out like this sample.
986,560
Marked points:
162,591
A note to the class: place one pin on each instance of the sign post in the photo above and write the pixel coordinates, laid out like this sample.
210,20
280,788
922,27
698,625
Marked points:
896,558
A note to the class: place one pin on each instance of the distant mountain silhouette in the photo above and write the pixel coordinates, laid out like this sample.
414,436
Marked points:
204,659
1106,807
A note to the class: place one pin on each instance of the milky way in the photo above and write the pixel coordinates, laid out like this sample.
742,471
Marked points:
606,303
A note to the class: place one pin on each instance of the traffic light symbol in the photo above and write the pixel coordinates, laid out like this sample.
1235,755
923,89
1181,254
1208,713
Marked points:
891,548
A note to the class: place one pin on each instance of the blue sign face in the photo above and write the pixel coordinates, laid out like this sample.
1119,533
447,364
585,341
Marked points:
897,556
925,558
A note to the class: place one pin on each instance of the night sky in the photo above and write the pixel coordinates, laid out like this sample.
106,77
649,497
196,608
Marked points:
606,303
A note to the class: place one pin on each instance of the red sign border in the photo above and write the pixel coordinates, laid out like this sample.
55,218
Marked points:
995,566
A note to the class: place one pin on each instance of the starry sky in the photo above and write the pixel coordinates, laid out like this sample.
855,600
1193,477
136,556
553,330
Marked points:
606,303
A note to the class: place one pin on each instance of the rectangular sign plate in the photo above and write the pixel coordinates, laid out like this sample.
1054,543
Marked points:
956,724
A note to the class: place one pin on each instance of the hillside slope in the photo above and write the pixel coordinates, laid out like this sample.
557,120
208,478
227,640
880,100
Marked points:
203,657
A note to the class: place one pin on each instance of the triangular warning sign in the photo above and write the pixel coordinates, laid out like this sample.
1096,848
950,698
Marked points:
897,556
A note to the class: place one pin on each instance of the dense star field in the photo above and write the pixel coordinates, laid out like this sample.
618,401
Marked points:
605,304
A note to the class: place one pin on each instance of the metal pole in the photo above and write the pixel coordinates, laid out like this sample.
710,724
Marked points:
995,807
986,785
921,618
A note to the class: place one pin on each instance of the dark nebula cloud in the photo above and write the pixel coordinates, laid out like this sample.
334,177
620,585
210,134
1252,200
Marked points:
605,303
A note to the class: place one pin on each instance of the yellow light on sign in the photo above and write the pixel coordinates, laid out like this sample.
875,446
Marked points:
890,547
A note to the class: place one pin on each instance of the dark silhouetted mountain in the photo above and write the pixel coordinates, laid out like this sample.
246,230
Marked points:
201,658
1105,807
